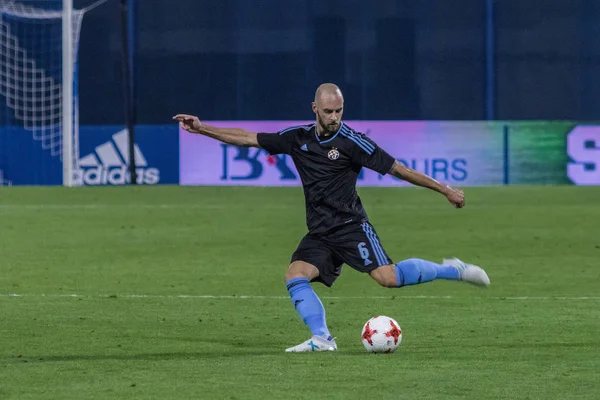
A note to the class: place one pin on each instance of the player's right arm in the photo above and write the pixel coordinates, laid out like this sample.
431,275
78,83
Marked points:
274,143
234,136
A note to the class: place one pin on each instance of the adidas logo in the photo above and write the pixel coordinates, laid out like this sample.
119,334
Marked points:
109,164
304,147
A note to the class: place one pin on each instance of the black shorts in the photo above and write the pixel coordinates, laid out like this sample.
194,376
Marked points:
355,244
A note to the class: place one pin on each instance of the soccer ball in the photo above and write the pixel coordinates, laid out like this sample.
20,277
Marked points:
381,334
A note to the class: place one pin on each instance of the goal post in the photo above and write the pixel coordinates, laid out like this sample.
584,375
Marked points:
68,155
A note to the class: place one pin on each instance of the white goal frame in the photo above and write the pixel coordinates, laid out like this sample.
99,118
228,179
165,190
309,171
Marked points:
67,93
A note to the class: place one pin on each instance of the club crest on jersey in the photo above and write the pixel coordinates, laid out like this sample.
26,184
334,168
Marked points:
333,154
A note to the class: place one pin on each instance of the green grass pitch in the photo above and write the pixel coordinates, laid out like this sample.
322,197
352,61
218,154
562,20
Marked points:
130,254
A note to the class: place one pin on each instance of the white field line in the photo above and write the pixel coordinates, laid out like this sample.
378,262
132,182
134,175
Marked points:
110,206
181,206
250,297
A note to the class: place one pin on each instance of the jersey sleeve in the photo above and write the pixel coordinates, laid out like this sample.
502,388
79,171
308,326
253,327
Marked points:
368,154
276,143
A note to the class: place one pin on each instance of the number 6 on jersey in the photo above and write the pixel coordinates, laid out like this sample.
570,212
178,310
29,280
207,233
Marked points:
364,253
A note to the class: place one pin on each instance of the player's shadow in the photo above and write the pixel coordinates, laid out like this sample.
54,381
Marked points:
166,356
194,355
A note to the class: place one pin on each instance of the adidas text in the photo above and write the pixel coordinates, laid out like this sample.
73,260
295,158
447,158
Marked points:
115,176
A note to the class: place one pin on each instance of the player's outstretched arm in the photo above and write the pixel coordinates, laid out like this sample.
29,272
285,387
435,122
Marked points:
454,196
235,136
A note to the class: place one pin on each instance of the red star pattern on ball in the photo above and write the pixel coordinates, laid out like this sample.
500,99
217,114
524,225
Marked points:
368,334
395,332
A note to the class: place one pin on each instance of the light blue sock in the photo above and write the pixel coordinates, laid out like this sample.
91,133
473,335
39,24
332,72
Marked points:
308,305
414,271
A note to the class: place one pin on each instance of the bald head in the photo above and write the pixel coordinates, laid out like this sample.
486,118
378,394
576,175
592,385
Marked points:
328,107
327,90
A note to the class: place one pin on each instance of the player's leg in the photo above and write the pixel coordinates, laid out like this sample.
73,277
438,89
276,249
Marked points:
415,271
363,251
312,261
305,300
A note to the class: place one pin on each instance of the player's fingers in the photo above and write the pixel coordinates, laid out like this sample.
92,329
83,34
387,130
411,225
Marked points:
181,117
458,203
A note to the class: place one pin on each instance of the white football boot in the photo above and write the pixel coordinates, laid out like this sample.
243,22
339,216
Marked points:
468,272
315,343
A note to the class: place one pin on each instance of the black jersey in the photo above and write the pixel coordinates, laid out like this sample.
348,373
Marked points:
329,169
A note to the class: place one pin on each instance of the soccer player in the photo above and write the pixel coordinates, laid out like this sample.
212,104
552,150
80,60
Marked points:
329,155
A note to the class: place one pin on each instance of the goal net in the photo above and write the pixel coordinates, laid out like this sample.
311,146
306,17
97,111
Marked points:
32,87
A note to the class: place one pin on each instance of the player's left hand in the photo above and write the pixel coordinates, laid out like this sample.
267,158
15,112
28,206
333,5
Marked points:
455,196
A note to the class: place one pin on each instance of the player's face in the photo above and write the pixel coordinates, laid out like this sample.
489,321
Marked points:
329,110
